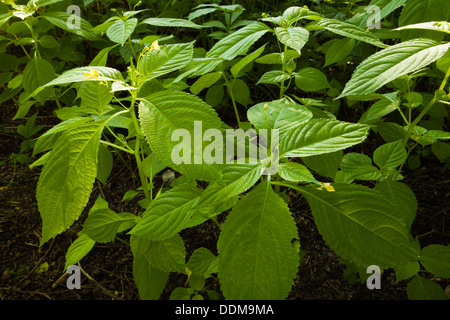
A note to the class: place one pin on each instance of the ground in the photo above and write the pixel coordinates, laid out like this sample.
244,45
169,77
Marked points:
28,271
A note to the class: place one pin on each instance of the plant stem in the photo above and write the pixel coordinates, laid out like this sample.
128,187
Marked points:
425,110
137,150
230,91
282,87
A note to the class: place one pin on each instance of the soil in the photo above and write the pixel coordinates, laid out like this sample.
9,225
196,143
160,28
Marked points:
31,272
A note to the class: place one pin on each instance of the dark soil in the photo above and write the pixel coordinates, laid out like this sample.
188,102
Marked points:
28,271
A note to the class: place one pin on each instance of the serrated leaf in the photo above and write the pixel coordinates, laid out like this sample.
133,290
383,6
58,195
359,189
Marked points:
417,11
436,259
358,224
311,79
347,30
102,225
338,50
295,172
205,81
255,250
121,30
402,197
171,22
420,288
319,136
203,262
167,255
60,19
67,178
150,281
163,113
95,96
277,114
78,249
274,77
168,214
390,155
36,74
293,37
235,69
391,63
236,179
325,164
168,58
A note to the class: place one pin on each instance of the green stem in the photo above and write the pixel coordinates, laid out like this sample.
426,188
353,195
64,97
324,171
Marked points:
230,91
282,87
425,110
137,150
116,146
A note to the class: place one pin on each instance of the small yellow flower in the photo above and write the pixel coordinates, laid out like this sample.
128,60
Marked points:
265,107
327,186
92,74
155,46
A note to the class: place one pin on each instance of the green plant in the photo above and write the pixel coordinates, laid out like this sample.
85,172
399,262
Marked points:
144,111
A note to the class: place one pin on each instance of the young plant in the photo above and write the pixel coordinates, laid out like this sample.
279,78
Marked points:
258,248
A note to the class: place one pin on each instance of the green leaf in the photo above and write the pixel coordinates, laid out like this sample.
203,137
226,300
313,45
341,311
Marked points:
358,224
150,281
442,26
102,225
319,136
95,96
78,249
105,164
236,179
167,255
255,250
325,164
295,172
203,262
67,178
36,74
420,288
278,114
359,167
172,22
417,11
402,197
235,69
338,49
274,77
168,58
293,37
436,259
167,112
391,63
241,92
231,46
60,20
347,30
101,58
311,79
121,30
205,81
386,7
168,214
381,108
390,155
82,74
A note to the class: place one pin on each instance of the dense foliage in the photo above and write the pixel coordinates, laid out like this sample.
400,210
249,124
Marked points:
159,79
